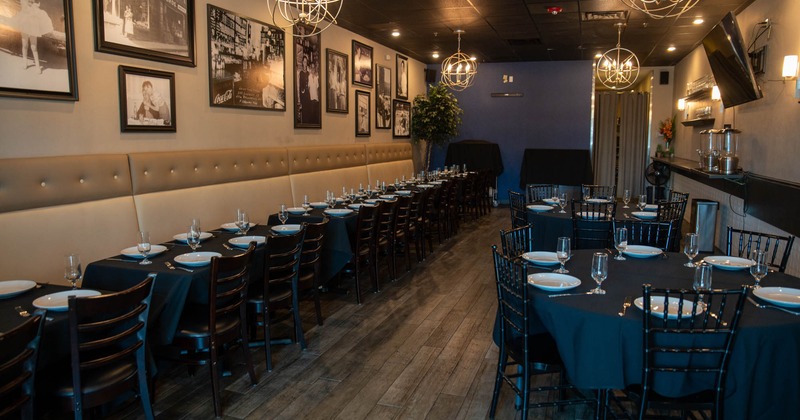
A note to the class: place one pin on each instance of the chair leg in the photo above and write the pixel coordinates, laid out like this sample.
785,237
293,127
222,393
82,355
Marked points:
298,324
317,306
498,381
357,263
267,339
246,347
215,374
144,389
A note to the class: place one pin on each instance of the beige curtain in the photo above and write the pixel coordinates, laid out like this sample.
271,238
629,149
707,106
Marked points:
604,152
633,142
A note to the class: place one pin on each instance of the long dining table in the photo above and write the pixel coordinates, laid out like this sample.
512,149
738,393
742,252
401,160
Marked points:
602,350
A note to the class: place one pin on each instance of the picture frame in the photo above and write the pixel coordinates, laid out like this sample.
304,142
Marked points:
336,83
307,91
401,85
156,30
246,62
383,97
362,64
146,100
401,119
363,113
49,72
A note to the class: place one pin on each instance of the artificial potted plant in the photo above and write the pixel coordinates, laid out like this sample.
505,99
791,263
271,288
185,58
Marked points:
435,119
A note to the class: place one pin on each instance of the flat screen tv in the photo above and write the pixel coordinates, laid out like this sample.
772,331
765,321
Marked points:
732,71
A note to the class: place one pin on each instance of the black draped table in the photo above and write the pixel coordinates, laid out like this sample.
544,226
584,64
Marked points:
555,166
602,350
476,154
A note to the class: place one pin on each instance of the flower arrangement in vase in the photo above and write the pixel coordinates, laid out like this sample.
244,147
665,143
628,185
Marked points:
667,130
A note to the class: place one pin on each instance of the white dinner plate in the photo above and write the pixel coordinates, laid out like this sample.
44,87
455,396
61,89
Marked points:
403,192
11,288
553,282
781,296
591,215
373,200
319,205
644,215
338,212
598,200
181,237
391,197
553,201
286,229
651,207
657,307
724,262
133,252
541,258
355,206
196,259
437,182
423,186
244,241
641,251
231,227
296,210
58,301
539,208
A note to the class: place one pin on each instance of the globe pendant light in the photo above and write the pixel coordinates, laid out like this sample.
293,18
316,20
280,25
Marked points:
459,70
618,67
659,9
316,15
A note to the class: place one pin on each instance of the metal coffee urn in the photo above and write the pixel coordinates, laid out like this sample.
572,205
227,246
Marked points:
709,151
729,158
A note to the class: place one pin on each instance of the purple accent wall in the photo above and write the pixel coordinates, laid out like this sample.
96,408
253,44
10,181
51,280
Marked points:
554,112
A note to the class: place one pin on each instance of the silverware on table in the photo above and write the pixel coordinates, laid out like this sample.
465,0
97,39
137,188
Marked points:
122,259
172,267
625,305
764,306
569,294
22,312
169,265
231,248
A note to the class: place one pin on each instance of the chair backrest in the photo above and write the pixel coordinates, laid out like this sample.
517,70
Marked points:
18,353
646,232
592,224
670,210
511,278
107,332
777,247
598,191
418,202
537,192
516,203
365,227
313,240
691,336
282,259
517,241
227,294
387,218
403,217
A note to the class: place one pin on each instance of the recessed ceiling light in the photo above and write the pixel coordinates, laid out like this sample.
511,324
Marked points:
435,55
473,58
395,32
671,49
698,21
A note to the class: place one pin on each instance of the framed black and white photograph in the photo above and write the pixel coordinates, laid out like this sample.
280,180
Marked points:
156,30
307,56
362,114
401,118
246,63
362,64
37,50
146,100
383,97
402,77
336,83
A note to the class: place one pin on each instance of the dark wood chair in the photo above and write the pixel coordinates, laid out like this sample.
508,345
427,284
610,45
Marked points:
310,263
516,203
647,232
416,223
279,290
777,247
532,354
694,340
607,192
207,330
19,349
384,239
591,224
672,211
107,349
364,254
517,241
403,234
435,217
538,192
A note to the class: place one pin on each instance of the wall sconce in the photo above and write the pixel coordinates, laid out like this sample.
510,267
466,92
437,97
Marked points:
789,67
681,104
715,95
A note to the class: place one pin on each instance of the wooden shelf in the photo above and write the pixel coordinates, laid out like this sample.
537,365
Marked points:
700,94
698,122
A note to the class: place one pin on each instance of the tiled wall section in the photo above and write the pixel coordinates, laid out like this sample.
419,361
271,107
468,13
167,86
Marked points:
730,214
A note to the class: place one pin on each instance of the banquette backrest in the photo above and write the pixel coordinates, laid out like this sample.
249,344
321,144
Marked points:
172,188
388,161
317,169
53,206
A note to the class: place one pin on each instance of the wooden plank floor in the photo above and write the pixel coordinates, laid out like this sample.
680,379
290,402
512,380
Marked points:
420,348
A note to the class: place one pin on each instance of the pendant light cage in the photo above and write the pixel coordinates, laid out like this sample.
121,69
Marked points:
315,15
660,9
459,70
618,68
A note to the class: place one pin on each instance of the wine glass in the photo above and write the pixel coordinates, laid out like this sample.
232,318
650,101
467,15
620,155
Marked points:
193,237
691,248
599,271
702,278
198,229
562,202
626,198
306,205
563,251
242,222
620,242
587,193
758,270
72,269
282,216
143,246
642,202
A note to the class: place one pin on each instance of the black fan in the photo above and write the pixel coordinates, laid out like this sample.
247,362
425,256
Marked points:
657,173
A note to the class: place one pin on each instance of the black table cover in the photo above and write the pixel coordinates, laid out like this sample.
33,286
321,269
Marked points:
476,154
555,166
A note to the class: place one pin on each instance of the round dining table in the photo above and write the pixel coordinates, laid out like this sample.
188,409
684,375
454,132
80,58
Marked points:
602,350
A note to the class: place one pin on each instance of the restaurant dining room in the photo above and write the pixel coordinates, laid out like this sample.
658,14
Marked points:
363,209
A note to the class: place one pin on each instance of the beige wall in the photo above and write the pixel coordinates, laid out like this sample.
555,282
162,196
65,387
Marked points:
91,125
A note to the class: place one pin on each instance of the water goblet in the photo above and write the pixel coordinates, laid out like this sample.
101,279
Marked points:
562,202
599,271
306,205
554,192
282,215
143,246
642,202
702,278
620,242
626,198
563,253
193,237
242,222
196,226
72,269
691,248
760,269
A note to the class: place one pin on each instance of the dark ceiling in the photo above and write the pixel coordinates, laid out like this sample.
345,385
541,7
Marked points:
523,30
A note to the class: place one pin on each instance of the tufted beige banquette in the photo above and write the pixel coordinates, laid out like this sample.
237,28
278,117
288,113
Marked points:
94,205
